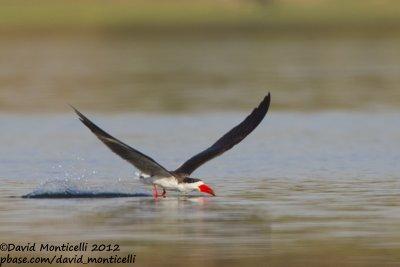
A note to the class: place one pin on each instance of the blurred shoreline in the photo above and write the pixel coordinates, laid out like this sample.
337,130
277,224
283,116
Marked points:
184,74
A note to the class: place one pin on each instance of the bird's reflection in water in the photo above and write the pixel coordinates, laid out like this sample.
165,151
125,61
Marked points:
184,199
183,219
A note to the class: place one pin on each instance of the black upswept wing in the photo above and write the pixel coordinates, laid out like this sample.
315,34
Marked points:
144,163
227,141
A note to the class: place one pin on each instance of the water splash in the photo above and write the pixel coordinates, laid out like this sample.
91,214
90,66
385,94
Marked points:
83,194
78,182
71,189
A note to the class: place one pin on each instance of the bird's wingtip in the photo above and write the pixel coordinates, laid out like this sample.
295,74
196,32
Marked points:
71,106
80,115
267,99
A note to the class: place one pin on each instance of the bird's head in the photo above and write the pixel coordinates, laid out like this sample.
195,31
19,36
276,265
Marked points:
191,183
206,189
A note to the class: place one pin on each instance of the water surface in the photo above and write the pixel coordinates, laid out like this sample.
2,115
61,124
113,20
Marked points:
301,187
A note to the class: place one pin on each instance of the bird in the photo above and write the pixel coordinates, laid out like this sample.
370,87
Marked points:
152,173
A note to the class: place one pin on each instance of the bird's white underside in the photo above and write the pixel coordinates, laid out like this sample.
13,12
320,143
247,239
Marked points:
169,183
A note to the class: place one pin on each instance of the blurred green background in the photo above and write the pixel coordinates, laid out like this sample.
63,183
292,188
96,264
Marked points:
157,56
233,15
